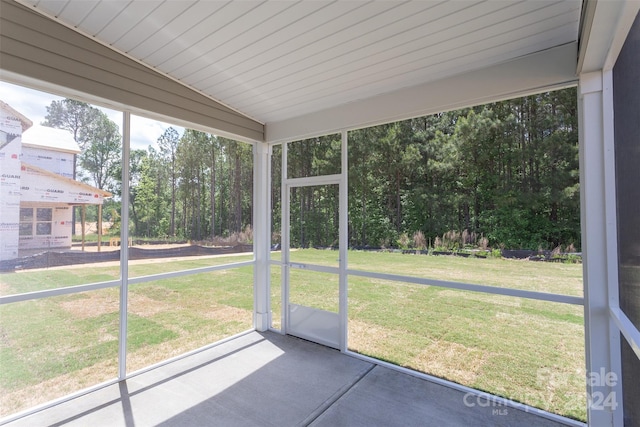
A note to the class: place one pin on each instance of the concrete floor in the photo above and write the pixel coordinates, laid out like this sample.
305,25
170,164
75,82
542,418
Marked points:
266,379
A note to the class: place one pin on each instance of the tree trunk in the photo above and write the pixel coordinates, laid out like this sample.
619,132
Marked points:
237,192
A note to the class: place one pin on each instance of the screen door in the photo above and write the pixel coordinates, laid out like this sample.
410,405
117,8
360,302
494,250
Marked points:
312,260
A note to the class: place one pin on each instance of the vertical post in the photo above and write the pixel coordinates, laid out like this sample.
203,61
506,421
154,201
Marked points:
596,190
285,218
99,226
611,245
269,232
124,248
73,208
84,220
261,235
344,243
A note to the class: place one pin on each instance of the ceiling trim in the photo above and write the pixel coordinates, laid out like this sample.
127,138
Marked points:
132,58
35,48
605,25
547,70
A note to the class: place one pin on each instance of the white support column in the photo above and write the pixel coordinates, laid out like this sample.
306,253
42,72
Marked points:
344,243
124,247
611,245
261,235
597,195
285,219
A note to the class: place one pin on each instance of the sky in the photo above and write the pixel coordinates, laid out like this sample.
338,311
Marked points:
33,105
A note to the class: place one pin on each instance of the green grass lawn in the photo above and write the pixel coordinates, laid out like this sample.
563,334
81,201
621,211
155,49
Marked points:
59,277
525,350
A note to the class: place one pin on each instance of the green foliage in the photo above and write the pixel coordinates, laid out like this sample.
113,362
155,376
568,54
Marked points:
403,241
507,172
97,136
101,156
74,116
196,186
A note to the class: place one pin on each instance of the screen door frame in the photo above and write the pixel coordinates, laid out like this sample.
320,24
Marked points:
323,327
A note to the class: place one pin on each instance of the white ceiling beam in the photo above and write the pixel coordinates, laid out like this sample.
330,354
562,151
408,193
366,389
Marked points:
547,70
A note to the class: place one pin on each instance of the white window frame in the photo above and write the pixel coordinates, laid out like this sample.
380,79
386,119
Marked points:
123,283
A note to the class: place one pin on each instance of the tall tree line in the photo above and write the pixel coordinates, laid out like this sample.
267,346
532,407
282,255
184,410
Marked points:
196,186
507,171
193,186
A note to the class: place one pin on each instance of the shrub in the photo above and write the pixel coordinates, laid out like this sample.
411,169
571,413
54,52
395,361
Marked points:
275,237
451,240
437,244
246,236
419,241
469,238
483,243
403,241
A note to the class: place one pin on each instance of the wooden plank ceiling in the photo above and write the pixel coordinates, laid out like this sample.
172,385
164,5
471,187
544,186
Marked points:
275,60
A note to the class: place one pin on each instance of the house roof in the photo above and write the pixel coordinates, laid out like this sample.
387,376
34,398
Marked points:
62,179
304,68
24,121
50,138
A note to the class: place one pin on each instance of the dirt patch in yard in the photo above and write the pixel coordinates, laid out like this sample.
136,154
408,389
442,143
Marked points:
440,358
450,360
5,289
144,306
94,304
225,313
97,304
376,341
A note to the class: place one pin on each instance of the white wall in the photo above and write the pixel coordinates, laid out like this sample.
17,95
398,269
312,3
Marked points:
9,185
54,161
60,230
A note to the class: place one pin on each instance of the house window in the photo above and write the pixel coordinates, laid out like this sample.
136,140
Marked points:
38,224
26,221
43,221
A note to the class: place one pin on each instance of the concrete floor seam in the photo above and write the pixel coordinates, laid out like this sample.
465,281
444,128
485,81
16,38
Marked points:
335,397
